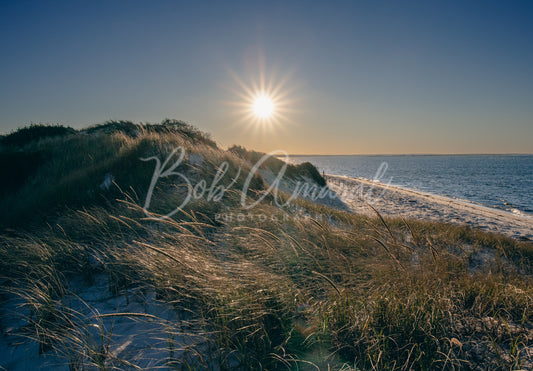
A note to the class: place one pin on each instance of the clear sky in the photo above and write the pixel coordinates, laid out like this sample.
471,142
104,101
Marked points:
346,77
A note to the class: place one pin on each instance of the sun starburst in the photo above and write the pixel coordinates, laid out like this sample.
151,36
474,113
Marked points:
263,103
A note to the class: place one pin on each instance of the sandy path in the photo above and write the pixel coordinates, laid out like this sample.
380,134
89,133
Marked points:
395,201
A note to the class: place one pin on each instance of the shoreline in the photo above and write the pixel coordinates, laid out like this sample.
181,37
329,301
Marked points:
392,200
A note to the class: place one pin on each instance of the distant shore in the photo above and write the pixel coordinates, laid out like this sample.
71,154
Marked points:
395,201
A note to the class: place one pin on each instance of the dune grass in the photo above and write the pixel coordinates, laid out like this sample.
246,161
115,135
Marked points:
296,287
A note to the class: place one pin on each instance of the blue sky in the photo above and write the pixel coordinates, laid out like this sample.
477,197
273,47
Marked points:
353,77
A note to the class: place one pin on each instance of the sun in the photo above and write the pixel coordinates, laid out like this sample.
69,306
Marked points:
263,106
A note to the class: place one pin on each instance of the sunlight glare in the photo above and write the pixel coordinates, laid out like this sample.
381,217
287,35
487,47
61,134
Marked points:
263,106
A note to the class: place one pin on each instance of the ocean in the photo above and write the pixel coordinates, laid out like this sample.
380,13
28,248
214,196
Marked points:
499,181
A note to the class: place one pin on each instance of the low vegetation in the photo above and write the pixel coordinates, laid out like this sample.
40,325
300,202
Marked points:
301,286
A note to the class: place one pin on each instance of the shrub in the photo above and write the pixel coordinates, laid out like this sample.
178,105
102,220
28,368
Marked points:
34,132
17,167
126,127
274,164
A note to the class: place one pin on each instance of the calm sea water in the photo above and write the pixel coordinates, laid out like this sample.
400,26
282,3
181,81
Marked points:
500,181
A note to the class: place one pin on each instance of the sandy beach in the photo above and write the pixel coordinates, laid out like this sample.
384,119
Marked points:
395,201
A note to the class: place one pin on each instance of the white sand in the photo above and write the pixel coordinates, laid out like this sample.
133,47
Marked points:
396,201
142,340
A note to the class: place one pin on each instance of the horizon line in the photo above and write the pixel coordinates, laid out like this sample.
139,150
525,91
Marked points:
419,154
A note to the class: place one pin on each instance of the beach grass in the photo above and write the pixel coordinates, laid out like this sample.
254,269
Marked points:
302,286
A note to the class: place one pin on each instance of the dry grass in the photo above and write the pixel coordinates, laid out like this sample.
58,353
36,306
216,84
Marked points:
307,288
